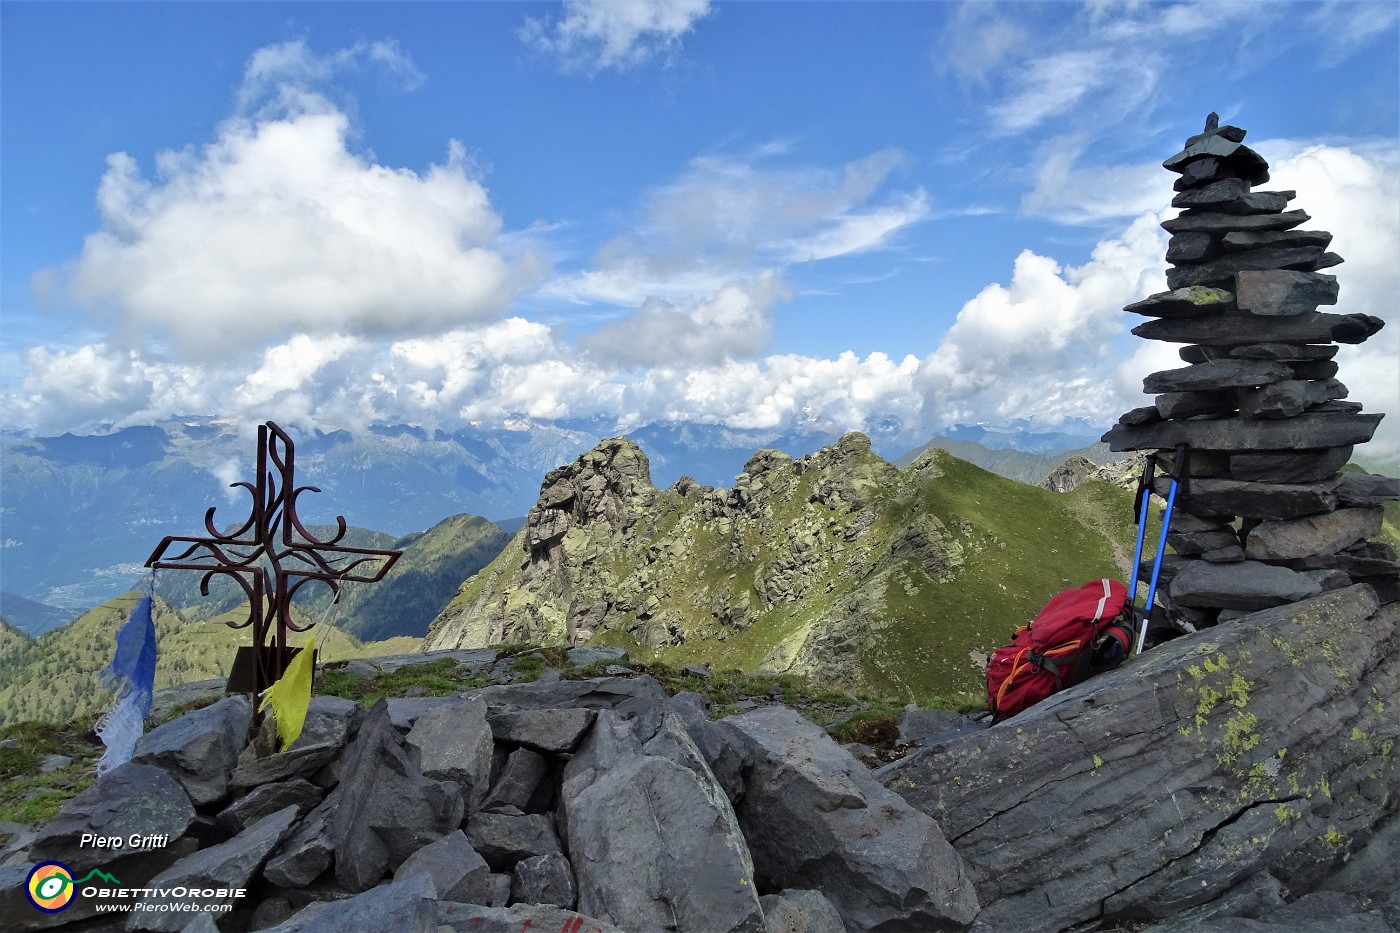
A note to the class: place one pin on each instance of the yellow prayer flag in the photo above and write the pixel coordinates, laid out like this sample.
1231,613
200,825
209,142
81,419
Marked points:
291,695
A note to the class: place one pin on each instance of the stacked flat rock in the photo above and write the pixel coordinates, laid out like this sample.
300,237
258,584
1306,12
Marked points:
1267,517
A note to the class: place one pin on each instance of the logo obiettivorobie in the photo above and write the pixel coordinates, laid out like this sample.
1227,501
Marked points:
51,886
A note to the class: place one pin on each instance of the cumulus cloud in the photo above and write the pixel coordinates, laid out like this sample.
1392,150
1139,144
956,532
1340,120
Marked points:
277,227
619,34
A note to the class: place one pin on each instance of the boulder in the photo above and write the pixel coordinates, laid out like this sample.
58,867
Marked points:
215,872
458,871
410,906
329,720
1308,431
551,731
1367,489
1277,239
1242,585
921,726
794,911
503,839
384,809
1223,269
652,838
1282,291
597,693
1313,534
813,816
267,800
1195,767
453,743
307,852
295,762
1188,404
544,879
518,783
131,799
199,749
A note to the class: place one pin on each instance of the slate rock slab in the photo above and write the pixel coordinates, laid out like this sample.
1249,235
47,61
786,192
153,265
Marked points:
1240,329
301,762
1191,769
596,693
1367,489
267,800
813,817
130,799
1244,585
410,906
551,731
329,720
458,871
795,911
1225,223
224,867
384,809
306,853
1242,435
1282,291
519,781
1254,500
200,748
453,743
652,839
1313,534
1300,466
1217,374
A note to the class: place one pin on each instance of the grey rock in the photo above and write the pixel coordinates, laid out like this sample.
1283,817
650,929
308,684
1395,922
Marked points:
1147,414
1182,812
384,809
224,867
919,726
1367,489
503,839
1188,404
1226,223
54,763
518,783
1284,292
295,762
1069,475
813,816
329,720
165,700
130,799
1301,466
1327,533
1218,374
404,711
1244,585
794,911
199,749
1196,301
1239,329
1285,351
410,906
1192,247
1203,542
500,889
1290,398
1239,435
601,654
544,879
1315,369
267,800
725,764
1328,580
1276,239
458,871
1232,196
307,852
1278,501
1223,269
1230,554
453,743
652,838
270,912
475,658
596,693
467,918
552,731
1213,147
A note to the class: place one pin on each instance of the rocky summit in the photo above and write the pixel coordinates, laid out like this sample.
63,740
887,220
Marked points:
1239,779
1268,515
836,565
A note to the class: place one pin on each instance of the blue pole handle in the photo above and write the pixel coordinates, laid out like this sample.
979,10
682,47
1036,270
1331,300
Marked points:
1157,566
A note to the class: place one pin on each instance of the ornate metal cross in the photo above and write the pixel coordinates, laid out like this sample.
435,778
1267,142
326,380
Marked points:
272,555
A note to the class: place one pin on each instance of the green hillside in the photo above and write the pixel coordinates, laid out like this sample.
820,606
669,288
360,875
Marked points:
837,565
55,678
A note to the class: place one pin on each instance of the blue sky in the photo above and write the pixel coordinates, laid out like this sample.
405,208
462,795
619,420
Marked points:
764,214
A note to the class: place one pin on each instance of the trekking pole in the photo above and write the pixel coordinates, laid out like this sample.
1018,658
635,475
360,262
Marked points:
1144,495
1179,475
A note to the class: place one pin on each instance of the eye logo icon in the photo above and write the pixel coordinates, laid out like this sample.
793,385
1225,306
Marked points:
50,886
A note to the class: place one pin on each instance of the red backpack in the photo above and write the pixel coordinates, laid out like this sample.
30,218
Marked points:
1079,632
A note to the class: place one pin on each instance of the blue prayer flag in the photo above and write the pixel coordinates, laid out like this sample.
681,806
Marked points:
132,677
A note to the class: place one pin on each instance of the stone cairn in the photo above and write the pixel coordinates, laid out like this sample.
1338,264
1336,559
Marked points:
1265,516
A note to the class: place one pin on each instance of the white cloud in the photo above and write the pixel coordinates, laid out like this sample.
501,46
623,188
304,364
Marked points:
735,323
1072,193
277,227
280,75
620,34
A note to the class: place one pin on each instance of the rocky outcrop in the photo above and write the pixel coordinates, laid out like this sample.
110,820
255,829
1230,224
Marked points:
805,565
1264,419
1261,750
